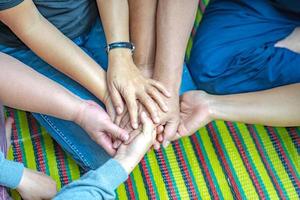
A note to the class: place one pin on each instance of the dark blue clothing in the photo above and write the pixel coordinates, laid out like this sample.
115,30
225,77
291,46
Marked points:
71,17
234,49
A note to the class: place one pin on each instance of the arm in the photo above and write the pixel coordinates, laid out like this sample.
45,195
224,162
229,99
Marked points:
143,33
57,50
100,183
274,107
174,24
23,88
125,81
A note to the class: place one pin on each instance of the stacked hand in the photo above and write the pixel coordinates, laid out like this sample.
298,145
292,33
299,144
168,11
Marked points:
125,82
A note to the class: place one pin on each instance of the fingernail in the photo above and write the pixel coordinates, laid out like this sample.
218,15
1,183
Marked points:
135,125
119,110
166,144
125,137
156,120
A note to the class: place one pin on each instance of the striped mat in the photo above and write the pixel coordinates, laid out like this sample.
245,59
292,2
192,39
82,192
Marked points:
223,160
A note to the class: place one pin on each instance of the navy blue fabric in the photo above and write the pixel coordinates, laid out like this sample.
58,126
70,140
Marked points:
71,17
234,50
289,5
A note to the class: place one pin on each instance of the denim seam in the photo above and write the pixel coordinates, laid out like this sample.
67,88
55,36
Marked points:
60,133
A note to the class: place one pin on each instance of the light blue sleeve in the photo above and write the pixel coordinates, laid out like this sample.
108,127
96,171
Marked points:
97,184
10,172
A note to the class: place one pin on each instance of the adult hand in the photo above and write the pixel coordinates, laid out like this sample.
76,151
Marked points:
129,155
126,81
99,126
195,112
170,120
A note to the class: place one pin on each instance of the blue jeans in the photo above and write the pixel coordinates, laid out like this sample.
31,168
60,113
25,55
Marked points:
68,134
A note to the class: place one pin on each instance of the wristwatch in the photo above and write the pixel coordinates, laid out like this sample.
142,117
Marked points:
115,45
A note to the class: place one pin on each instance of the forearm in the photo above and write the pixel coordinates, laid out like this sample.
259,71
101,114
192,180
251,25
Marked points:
25,89
142,31
55,48
96,184
174,23
115,19
275,107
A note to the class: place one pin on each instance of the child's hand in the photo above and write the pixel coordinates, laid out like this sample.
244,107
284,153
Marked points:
129,155
99,126
36,186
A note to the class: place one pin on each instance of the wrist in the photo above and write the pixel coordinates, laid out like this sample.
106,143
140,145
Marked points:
214,104
120,53
127,165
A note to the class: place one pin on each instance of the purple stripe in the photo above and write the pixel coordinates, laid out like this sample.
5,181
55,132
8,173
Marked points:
3,148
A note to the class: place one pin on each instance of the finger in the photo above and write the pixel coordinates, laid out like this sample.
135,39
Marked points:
132,109
106,143
160,129
188,126
156,145
148,125
115,131
158,99
133,135
160,138
176,137
160,87
117,144
169,132
150,105
124,121
8,125
116,99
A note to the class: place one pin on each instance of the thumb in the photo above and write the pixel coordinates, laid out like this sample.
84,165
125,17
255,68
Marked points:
116,131
169,133
187,128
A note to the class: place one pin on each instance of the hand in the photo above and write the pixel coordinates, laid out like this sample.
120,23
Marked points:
126,81
170,120
99,126
129,155
195,112
36,186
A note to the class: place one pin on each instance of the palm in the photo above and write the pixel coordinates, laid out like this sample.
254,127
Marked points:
194,112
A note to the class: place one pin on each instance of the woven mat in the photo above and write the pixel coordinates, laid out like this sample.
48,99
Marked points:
223,160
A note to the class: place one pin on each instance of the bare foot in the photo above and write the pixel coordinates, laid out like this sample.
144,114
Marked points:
291,42
194,112
36,186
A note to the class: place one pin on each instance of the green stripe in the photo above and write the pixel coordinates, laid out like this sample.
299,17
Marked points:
190,171
135,191
242,192
269,160
212,174
43,149
151,175
20,141
239,134
286,152
170,171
